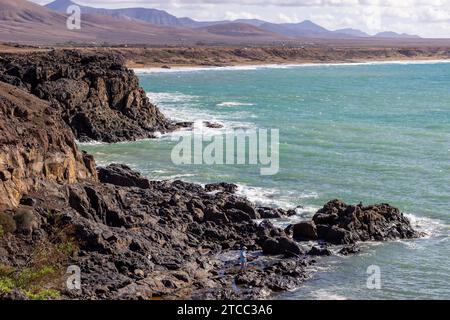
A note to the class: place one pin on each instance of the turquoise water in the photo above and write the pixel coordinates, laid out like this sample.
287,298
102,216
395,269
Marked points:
371,133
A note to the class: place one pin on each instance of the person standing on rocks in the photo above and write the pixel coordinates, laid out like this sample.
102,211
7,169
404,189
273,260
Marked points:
243,258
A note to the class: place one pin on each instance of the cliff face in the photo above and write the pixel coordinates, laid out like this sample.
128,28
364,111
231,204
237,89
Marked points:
35,146
98,97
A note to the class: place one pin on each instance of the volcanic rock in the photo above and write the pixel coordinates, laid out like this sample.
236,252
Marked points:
122,175
97,96
305,230
339,223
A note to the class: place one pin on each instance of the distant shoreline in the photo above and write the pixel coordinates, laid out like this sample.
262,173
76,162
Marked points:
155,68
210,57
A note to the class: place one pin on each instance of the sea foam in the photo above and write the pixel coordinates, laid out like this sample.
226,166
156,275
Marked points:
187,108
140,71
234,104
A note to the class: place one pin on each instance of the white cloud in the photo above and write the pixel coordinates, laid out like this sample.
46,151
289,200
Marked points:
285,18
435,15
234,15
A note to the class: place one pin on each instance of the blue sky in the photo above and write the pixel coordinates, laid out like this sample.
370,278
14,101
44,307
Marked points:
427,18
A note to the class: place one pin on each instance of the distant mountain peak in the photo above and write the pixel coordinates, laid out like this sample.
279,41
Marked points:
153,16
61,2
238,29
308,22
352,33
59,5
253,22
391,34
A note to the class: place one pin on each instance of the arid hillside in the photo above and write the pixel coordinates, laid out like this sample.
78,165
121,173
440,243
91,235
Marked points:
25,22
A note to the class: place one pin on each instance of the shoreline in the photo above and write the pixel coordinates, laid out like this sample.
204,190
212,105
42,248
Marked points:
158,68
238,56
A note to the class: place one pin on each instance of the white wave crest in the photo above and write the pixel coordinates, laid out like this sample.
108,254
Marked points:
234,104
429,226
323,294
187,108
170,97
272,197
90,143
140,71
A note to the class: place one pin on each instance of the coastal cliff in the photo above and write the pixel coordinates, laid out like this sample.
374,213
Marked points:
35,147
96,95
133,238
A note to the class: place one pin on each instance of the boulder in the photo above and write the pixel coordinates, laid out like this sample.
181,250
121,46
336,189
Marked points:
305,231
245,206
28,201
236,215
271,246
348,250
212,125
122,175
223,187
26,220
338,235
274,213
317,251
215,215
289,247
281,246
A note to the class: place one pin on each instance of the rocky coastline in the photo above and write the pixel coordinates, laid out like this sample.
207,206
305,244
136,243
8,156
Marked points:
96,95
133,238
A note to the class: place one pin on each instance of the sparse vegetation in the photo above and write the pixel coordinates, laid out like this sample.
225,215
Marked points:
7,224
43,275
46,294
31,282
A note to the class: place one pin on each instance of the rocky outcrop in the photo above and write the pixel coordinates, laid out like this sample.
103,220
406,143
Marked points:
159,241
97,96
36,147
339,223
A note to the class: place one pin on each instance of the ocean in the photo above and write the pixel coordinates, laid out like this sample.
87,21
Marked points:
371,133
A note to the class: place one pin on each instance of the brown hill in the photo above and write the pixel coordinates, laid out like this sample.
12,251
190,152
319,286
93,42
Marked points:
237,29
25,22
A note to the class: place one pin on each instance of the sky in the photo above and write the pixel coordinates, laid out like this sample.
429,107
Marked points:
427,18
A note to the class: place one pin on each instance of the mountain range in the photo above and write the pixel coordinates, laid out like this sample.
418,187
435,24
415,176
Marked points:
24,21
305,29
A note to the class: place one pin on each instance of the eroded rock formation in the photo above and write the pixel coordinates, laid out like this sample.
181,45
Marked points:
339,223
98,97
35,147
